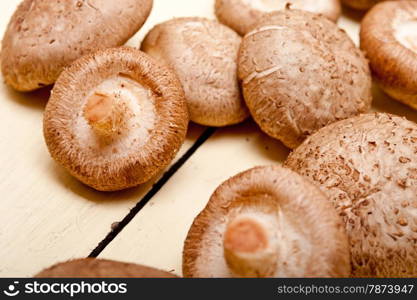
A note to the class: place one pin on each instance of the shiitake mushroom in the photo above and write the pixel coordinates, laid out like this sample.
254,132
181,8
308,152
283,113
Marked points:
203,53
367,165
44,36
101,268
389,39
242,15
362,4
115,118
299,73
267,222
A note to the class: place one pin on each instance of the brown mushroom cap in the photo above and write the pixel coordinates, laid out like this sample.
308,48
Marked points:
300,72
361,4
44,36
242,15
101,268
267,222
115,118
203,53
367,165
389,40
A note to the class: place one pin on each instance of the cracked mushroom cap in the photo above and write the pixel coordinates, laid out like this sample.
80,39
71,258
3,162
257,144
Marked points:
44,36
101,268
299,73
367,165
389,40
267,222
203,53
115,118
242,15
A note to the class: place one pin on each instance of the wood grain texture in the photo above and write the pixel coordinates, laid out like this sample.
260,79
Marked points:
46,215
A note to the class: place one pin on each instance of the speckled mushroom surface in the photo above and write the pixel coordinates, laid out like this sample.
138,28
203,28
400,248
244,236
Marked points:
242,15
299,73
267,222
115,118
389,40
101,268
44,36
367,165
203,53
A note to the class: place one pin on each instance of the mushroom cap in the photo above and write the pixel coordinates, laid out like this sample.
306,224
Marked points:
367,165
44,36
388,38
299,73
101,268
203,53
154,131
311,240
242,15
361,4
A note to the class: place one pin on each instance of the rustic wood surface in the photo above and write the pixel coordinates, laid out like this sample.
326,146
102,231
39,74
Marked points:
47,216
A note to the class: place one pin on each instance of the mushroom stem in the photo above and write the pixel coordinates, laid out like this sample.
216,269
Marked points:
249,249
106,114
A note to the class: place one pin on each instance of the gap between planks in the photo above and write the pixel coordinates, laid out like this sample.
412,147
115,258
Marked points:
152,192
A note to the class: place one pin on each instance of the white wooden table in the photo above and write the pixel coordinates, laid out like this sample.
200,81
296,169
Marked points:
46,216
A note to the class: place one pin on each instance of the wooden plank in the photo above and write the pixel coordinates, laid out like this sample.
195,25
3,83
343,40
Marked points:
155,237
46,215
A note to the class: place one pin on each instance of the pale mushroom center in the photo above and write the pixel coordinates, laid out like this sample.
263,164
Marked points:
406,34
249,249
118,116
246,236
107,114
273,5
